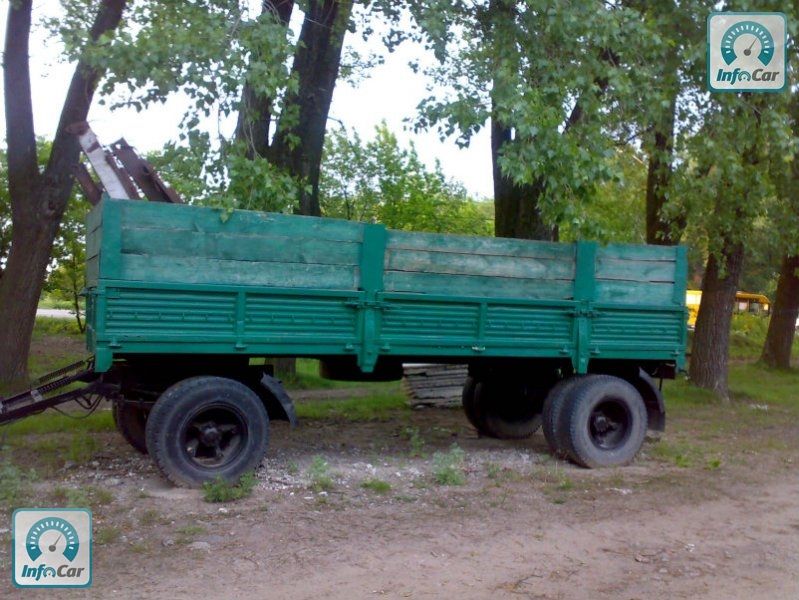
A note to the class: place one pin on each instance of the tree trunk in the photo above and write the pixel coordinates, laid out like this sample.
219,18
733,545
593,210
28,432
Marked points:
516,207
784,312
255,114
660,230
300,134
37,201
710,350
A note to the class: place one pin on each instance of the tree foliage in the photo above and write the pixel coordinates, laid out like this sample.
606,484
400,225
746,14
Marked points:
378,181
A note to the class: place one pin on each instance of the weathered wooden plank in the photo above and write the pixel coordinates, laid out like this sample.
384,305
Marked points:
630,292
636,252
231,245
461,244
477,286
209,220
92,270
138,267
433,261
635,270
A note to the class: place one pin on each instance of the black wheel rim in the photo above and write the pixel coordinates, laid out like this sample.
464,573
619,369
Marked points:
214,436
609,424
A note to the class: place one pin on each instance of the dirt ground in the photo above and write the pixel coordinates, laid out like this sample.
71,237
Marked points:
523,525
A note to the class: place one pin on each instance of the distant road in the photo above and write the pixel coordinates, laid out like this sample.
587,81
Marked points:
56,313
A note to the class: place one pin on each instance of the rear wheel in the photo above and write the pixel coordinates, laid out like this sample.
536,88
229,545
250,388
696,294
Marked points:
603,422
506,410
207,427
552,412
131,420
467,399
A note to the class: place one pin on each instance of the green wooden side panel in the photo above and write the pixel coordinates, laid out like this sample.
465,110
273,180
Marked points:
180,279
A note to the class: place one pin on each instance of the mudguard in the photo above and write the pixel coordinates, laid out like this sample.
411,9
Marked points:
653,398
275,388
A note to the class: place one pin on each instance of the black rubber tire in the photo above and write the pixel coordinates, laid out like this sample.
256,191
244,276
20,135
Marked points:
467,399
131,422
553,410
504,411
603,422
174,419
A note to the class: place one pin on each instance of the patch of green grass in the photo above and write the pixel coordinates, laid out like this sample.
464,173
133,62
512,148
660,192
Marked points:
89,496
53,326
377,486
319,475
15,485
308,378
379,407
500,474
681,454
415,440
82,448
448,466
106,535
220,490
52,422
149,516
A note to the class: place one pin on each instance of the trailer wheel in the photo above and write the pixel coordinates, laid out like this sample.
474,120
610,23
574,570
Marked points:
130,421
553,410
207,427
467,399
505,410
603,422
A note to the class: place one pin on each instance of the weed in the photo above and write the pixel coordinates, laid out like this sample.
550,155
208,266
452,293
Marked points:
106,535
448,466
82,448
415,440
139,548
220,490
319,476
292,468
14,484
191,530
376,485
150,517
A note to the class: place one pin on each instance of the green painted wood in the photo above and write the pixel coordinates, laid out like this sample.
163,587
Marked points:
484,286
636,270
231,245
461,244
210,220
636,252
180,279
434,261
233,272
634,293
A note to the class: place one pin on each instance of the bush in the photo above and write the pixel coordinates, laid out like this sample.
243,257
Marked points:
220,490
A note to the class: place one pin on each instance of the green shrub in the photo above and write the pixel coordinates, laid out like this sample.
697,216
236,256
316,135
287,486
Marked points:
448,466
220,490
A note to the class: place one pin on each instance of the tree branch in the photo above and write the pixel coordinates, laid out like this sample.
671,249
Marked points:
23,169
66,151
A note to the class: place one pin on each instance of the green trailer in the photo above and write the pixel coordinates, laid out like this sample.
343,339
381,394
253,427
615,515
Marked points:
183,302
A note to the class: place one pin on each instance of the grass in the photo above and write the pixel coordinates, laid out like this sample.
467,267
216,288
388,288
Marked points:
15,485
319,475
376,407
220,490
378,486
106,535
448,466
415,441
81,497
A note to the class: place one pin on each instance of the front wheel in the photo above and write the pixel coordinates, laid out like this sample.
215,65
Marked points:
207,427
603,422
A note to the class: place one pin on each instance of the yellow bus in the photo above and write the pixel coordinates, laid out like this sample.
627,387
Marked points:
747,302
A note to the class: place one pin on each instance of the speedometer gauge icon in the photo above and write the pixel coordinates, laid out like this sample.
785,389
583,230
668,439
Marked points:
756,38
